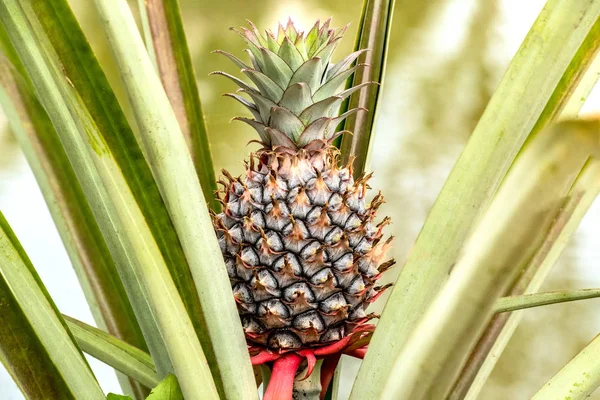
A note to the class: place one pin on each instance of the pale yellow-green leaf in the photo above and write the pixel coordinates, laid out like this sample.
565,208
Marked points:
169,331
577,82
578,379
87,250
83,146
502,243
582,194
165,148
518,102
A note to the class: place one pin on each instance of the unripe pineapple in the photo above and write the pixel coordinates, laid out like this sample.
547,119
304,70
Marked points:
300,243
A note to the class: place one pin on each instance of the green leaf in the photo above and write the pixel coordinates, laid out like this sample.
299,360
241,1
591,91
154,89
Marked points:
168,389
264,84
169,159
578,379
521,97
576,84
161,312
331,87
36,347
166,40
68,206
570,92
289,53
112,396
373,34
500,246
310,73
501,328
276,67
123,357
512,303
296,98
82,143
84,73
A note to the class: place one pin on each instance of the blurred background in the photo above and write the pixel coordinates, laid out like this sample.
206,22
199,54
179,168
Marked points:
446,57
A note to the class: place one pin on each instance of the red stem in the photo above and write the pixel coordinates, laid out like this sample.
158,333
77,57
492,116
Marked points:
281,384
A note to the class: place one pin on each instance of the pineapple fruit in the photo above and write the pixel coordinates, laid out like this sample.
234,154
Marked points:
301,245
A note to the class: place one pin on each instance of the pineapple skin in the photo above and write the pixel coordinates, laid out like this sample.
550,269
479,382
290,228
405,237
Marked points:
301,249
301,246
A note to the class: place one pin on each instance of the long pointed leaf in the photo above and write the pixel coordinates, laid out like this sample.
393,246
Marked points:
121,356
83,71
44,73
159,308
69,208
501,245
571,89
496,337
373,35
170,162
509,117
166,37
578,379
512,303
577,81
35,344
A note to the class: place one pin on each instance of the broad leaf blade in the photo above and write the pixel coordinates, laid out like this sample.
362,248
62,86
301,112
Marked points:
373,34
518,102
161,312
166,40
123,357
499,331
172,166
35,344
576,84
81,142
81,67
68,206
502,244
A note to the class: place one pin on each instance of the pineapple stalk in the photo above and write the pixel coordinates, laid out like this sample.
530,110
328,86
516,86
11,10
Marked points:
302,246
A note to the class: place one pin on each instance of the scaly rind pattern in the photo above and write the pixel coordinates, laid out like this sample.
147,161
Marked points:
295,98
301,249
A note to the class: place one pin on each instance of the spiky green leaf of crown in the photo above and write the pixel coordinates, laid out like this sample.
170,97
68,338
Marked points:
295,101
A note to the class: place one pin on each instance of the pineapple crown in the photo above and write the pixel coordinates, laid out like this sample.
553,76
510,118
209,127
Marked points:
295,101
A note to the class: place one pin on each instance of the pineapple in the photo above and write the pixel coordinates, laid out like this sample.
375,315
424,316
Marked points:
300,243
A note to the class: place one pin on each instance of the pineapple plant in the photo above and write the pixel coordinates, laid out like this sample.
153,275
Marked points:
283,273
302,247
